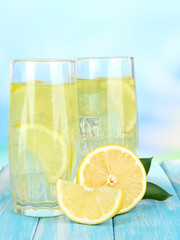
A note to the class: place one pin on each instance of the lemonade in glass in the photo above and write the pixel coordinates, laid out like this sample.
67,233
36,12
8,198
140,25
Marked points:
106,98
42,133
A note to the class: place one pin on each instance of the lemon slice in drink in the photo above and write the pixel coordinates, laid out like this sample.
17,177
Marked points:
117,167
122,100
88,206
48,146
129,100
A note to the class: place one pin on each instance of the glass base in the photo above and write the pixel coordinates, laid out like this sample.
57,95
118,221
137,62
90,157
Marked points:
37,211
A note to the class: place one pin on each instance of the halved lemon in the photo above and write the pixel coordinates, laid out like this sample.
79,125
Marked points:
46,146
117,167
88,205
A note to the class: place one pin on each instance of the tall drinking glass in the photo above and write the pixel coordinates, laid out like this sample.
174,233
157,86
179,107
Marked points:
106,103
42,133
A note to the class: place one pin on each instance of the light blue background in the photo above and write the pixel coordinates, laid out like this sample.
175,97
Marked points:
147,30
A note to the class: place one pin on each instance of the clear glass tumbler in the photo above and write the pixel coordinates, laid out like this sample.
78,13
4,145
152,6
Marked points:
106,99
42,133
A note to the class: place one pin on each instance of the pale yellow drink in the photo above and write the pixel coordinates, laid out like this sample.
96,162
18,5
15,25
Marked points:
107,113
42,139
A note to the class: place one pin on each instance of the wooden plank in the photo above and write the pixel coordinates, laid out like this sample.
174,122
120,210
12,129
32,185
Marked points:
64,229
12,225
172,169
151,219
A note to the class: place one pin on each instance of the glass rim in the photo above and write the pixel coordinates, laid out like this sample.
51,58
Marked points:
41,60
104,58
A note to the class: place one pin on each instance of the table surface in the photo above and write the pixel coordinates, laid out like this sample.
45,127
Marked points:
150,219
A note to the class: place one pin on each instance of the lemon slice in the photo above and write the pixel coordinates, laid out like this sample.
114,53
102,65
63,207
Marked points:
85,205
129,101
122,97
48,146
117,167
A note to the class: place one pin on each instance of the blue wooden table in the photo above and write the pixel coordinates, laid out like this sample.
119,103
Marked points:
150,219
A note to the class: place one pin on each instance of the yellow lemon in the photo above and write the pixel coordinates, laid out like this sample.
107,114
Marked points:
117,167
88,205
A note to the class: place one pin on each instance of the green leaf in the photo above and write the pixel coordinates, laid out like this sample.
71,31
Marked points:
153,191
146,163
